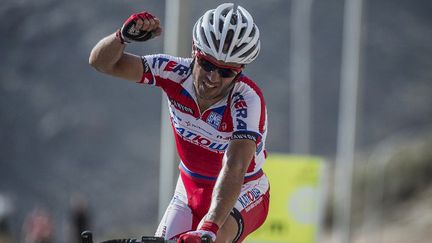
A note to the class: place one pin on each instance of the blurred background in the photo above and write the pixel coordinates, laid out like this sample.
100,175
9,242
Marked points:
81,149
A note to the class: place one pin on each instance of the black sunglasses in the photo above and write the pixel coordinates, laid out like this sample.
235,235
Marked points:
210,67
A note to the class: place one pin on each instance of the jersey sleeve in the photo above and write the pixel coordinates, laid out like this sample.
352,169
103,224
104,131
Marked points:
249,113
160,69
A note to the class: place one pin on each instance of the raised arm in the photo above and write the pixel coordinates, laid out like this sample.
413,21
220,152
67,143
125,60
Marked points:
108,55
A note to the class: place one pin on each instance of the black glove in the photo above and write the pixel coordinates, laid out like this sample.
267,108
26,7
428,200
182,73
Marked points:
135,29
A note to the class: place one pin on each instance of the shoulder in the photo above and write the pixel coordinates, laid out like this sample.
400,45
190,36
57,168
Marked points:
165,67
248,107
246,87
167,61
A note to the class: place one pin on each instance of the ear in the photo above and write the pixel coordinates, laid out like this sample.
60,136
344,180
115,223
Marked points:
194,50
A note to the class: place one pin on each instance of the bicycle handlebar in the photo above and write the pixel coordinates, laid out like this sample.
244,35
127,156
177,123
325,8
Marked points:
87,237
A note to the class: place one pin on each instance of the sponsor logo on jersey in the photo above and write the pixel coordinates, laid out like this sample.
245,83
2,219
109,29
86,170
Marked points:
245,135
240,108
218,136
214,119
181,107
201,141
191,124
250,197
224,138
169,65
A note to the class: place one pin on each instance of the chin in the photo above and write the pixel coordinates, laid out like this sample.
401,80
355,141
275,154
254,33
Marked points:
207,97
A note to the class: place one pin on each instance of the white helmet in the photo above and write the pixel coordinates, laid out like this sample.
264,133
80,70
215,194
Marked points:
232,26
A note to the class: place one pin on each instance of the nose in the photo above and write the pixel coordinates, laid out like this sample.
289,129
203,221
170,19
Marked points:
214,76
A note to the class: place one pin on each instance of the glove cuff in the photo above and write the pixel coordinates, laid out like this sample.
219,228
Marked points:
210,226
120,37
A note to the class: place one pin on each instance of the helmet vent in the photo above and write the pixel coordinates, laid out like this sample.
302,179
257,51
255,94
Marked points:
238,48
233,20
228,40
203,34
244,19
221,25
225,12
249,51
252,34
211,18
242,32
215,41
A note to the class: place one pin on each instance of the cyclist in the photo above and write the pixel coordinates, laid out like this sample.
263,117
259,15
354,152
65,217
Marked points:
219,120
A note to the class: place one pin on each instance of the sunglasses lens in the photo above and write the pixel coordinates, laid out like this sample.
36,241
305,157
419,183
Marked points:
206,65
226,73
209,67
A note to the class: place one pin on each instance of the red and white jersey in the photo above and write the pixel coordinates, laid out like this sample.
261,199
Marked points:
202,138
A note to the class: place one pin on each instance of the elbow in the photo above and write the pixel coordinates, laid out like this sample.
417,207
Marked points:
94,62
99,65
97,61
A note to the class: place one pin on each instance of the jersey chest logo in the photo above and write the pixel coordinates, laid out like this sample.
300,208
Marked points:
214,119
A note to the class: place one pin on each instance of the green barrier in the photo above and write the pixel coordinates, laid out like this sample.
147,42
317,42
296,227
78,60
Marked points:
296,200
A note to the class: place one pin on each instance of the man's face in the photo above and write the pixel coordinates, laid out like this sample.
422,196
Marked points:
212,78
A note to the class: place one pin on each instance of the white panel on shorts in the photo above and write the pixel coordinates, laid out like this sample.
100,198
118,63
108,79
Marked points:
178,216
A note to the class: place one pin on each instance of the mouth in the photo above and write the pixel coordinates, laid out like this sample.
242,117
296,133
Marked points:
208,84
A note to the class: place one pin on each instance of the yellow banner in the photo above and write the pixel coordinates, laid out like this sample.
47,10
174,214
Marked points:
295,200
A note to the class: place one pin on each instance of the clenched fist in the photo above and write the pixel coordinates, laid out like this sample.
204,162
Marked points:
139,27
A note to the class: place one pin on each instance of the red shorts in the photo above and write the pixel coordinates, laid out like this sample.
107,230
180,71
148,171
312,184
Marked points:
192,199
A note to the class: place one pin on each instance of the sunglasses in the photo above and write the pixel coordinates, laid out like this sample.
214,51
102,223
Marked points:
210,66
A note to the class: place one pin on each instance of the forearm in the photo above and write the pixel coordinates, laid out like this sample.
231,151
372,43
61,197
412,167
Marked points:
107,52
225,194
230,180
